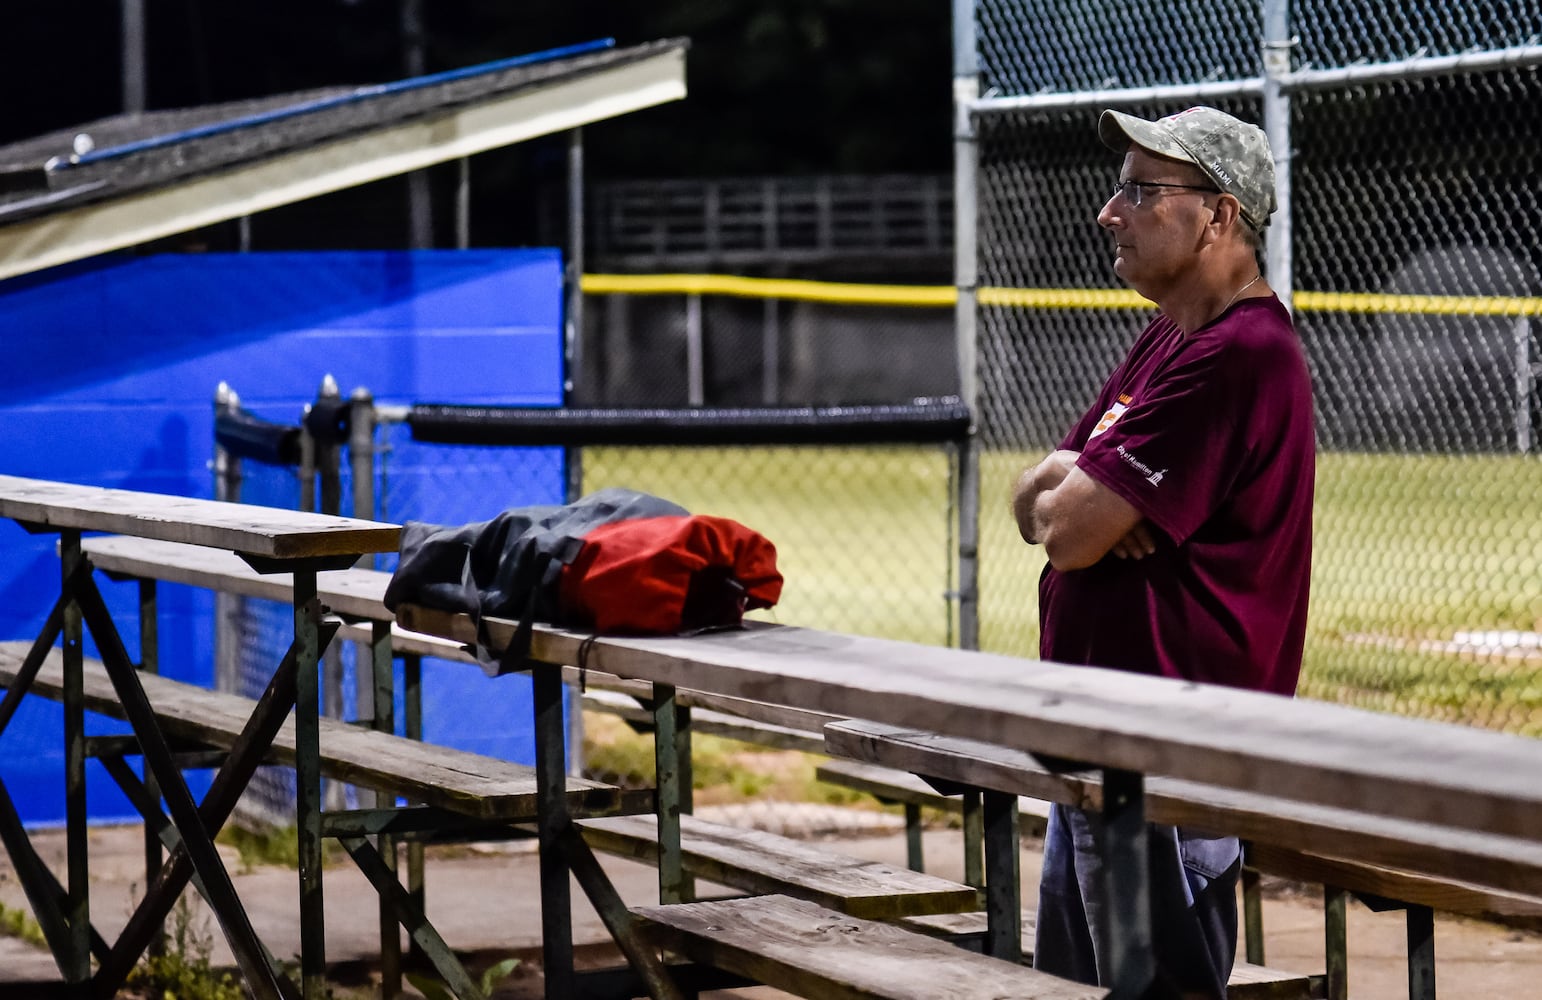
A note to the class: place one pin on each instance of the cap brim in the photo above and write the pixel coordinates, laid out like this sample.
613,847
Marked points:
1119,131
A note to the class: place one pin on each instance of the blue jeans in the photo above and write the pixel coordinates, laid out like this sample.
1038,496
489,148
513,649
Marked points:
1193,903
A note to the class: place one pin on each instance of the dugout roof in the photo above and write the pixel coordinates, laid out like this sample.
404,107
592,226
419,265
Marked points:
140,177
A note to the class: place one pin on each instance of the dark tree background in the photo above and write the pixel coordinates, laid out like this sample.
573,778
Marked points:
776,87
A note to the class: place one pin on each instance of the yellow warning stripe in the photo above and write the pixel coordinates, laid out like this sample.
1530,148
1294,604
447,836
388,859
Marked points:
769,288
1436,305
1029,298
1064,298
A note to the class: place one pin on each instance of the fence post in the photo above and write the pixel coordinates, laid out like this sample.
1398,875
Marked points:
227,607
1276,58
326,461
361,472
328,456
576,381
361,452
770,352
695,365
1523,383
966,162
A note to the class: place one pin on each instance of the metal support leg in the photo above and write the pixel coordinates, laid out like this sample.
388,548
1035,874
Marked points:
383,670
1129,967
149,662
77,910
245,755
1421,953
915,855
666,755
165,832
974,839
196,837
307,736
395,902
44,892
1336,943
617,919
551,803
1003,892
412,676
687,774
1253,914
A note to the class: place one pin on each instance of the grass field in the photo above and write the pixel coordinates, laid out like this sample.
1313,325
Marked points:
1410,550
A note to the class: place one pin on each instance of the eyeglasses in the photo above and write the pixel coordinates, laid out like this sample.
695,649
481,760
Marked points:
1134,190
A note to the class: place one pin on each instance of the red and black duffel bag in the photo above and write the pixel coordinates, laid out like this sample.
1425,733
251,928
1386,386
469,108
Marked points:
615,562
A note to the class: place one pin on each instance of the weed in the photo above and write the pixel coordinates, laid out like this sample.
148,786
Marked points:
182,971
435,989
278,845
19,924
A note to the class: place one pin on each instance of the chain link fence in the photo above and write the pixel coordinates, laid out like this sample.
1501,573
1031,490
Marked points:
712,340
864,533
1411,248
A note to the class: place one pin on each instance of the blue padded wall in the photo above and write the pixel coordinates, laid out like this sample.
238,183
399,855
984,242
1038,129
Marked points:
110,377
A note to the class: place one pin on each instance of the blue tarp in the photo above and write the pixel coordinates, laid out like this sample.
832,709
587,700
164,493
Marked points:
110,378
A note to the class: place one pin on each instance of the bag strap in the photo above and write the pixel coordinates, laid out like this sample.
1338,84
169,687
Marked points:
515,657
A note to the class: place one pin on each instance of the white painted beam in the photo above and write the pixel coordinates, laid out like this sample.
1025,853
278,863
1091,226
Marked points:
295,175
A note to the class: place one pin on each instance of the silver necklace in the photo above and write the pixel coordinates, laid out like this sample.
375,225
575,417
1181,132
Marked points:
1239,291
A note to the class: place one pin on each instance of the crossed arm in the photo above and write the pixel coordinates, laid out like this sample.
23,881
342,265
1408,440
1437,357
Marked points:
1077,519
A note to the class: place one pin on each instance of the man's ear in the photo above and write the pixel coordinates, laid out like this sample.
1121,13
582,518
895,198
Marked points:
1228,213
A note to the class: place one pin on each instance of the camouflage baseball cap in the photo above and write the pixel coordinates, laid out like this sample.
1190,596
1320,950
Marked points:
1232,153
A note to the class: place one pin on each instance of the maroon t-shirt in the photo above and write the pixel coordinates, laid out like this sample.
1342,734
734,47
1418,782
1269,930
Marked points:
1210,437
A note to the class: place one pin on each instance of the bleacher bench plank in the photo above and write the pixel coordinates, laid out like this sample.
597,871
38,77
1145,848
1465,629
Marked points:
1465,778
259,531
705,720
360,593
890,785
1500,873
760,862
1247,982
453,780
357,592
800,947
1442,894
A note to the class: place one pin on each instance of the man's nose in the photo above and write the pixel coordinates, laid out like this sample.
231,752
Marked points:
1108,215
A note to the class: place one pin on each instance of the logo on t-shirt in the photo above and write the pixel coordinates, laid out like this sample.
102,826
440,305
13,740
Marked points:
1112,416
1153,476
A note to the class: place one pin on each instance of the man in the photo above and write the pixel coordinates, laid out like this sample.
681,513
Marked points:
1177,513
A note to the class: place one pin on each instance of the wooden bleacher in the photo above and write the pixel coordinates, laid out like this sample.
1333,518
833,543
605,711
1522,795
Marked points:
724,683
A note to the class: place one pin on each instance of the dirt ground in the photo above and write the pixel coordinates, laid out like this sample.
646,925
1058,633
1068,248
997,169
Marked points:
485,902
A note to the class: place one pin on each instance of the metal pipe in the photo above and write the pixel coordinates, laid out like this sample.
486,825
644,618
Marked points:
966,161
134,89
463,203
361,452
966,168
695,367
228,608
1277,44
420,206
968,487
770,352
1177,93
1517,57
1523,381
574,380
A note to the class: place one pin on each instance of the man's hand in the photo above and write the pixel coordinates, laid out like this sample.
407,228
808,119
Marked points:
1034,480
1137,544
1077,519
